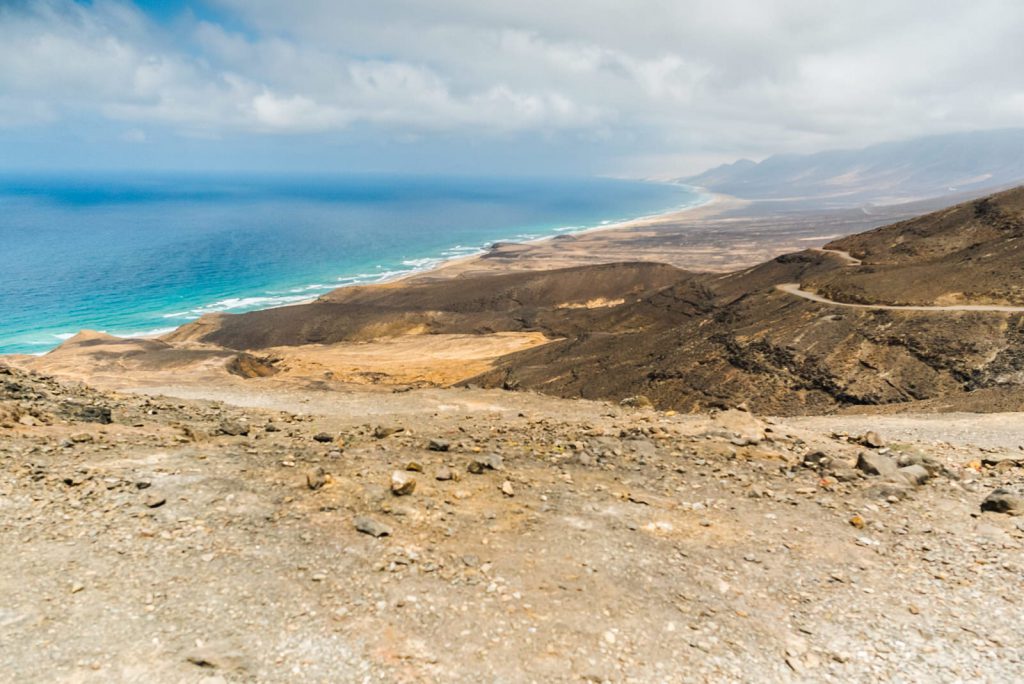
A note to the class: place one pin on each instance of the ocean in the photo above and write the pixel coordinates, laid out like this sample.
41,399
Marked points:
140,255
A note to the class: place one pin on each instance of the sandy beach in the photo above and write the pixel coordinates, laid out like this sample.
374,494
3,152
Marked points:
723,234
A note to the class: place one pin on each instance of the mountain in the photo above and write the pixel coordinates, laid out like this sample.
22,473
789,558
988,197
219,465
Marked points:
888,172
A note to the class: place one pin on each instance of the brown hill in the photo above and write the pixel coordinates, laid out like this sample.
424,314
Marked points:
780,353
559,302
970,253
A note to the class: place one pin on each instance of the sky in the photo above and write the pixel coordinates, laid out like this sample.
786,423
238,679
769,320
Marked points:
638,88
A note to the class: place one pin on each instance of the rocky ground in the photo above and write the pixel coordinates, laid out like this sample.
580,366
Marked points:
467,535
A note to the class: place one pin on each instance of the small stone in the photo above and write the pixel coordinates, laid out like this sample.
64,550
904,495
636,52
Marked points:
1004,500
323,438
482,463
638,401
857,521
915,475
372,527
154,500
81,438
414,467
270,427
438,445
221,656
316,478
380,432
875,464
444,474
816,459
993,460
402,484
844,474
77,587
234,428
872,440
506,488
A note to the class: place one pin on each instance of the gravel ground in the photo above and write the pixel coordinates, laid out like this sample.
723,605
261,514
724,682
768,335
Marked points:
544,540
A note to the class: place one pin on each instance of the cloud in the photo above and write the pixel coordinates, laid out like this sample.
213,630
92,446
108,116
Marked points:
134,135
656,86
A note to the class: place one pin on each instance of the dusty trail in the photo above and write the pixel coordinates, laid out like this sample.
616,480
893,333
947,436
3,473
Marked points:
794,289
845,256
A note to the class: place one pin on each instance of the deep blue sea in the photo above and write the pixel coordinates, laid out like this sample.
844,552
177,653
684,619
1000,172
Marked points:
139,255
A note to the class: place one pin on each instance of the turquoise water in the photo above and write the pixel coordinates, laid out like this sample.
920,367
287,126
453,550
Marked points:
142,255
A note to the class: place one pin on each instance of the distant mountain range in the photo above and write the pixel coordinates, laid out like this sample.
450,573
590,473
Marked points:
889,172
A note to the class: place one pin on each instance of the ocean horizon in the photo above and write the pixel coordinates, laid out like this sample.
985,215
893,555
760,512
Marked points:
142,255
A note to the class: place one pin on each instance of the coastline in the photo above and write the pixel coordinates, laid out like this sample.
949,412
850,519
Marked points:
433,267
454,266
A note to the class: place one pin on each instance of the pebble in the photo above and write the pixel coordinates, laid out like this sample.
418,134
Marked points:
402,484
488,462
154,500
316,478
1004,500
872,439
372,527
875,464
234,428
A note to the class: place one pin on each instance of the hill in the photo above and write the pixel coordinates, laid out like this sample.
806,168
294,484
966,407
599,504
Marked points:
748,341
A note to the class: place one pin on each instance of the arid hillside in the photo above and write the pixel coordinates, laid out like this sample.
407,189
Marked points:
926,314
750,342
970,253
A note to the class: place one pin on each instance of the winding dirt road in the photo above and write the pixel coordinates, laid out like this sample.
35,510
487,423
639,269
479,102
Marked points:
794,289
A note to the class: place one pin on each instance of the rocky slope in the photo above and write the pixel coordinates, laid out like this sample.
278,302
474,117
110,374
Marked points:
744,340
468,535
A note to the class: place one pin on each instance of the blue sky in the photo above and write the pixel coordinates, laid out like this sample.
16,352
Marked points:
619,87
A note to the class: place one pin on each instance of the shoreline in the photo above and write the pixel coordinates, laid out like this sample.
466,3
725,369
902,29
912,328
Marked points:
648,220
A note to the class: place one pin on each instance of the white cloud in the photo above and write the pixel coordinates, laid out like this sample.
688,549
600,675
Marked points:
654,82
